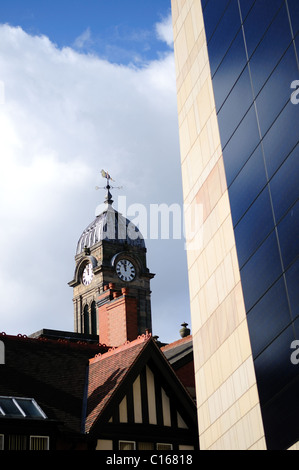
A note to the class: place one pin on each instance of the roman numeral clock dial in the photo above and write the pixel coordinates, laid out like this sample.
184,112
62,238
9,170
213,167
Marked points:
87,274
125,270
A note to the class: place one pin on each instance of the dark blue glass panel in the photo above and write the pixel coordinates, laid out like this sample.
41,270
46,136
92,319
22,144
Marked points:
224,34
235,106
247,185
273,366
297,44
254,227
261,271
282,137
288,231
268,317
276,91
294,14
270,50
229,71
258,20
285,186
296,326
241,145
246,6
292,279
281,417
213,11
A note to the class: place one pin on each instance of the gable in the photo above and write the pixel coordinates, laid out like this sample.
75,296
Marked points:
106,373
145,398
146,402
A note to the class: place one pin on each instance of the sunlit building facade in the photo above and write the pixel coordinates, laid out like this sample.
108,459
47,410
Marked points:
237,70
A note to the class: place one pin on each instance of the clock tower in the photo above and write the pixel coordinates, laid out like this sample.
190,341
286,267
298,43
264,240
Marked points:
111,284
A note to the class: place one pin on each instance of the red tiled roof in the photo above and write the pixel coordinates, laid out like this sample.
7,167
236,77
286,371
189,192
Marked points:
106,372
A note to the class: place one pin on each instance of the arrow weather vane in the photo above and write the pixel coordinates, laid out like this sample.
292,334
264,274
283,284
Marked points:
106,175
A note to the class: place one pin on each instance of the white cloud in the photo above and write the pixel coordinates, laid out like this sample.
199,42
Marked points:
164,30
83,40
64,116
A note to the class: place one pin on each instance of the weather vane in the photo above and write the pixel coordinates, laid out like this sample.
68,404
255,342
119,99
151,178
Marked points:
106,175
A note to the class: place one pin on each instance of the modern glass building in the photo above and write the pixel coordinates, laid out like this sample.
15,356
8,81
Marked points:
237,67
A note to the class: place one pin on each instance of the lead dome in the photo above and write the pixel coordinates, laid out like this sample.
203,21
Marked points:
112,226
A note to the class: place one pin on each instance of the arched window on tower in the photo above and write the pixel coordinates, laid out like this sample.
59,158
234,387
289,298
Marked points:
93,311
86,320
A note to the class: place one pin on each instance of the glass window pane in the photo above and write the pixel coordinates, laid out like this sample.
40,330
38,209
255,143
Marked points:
268,317
204,3
281,417
235,106
29,408
259,19
161,446
245,6
273,366
146,446
294,14
284,185
126,445
292,279
9,408
230,69
39,443
288,231
273,46
17,442
296,325
261,271
86,319
247,185
276,92
93,318
254,227
277,148
241,146
213,11
296,44
223,36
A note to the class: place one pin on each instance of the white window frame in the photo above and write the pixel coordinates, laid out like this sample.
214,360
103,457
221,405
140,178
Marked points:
127,442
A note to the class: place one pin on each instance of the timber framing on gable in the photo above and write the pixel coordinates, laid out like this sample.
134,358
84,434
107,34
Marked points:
147,400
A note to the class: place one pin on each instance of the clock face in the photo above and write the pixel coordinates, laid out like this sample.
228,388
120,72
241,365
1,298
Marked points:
87,274
125,270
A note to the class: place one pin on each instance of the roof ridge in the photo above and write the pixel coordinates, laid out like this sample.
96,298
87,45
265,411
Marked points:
176,343
116,349
60,341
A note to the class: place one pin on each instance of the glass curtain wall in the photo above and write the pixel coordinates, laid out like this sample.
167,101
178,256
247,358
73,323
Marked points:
253,49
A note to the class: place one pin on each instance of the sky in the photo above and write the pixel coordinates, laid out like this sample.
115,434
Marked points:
85,86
